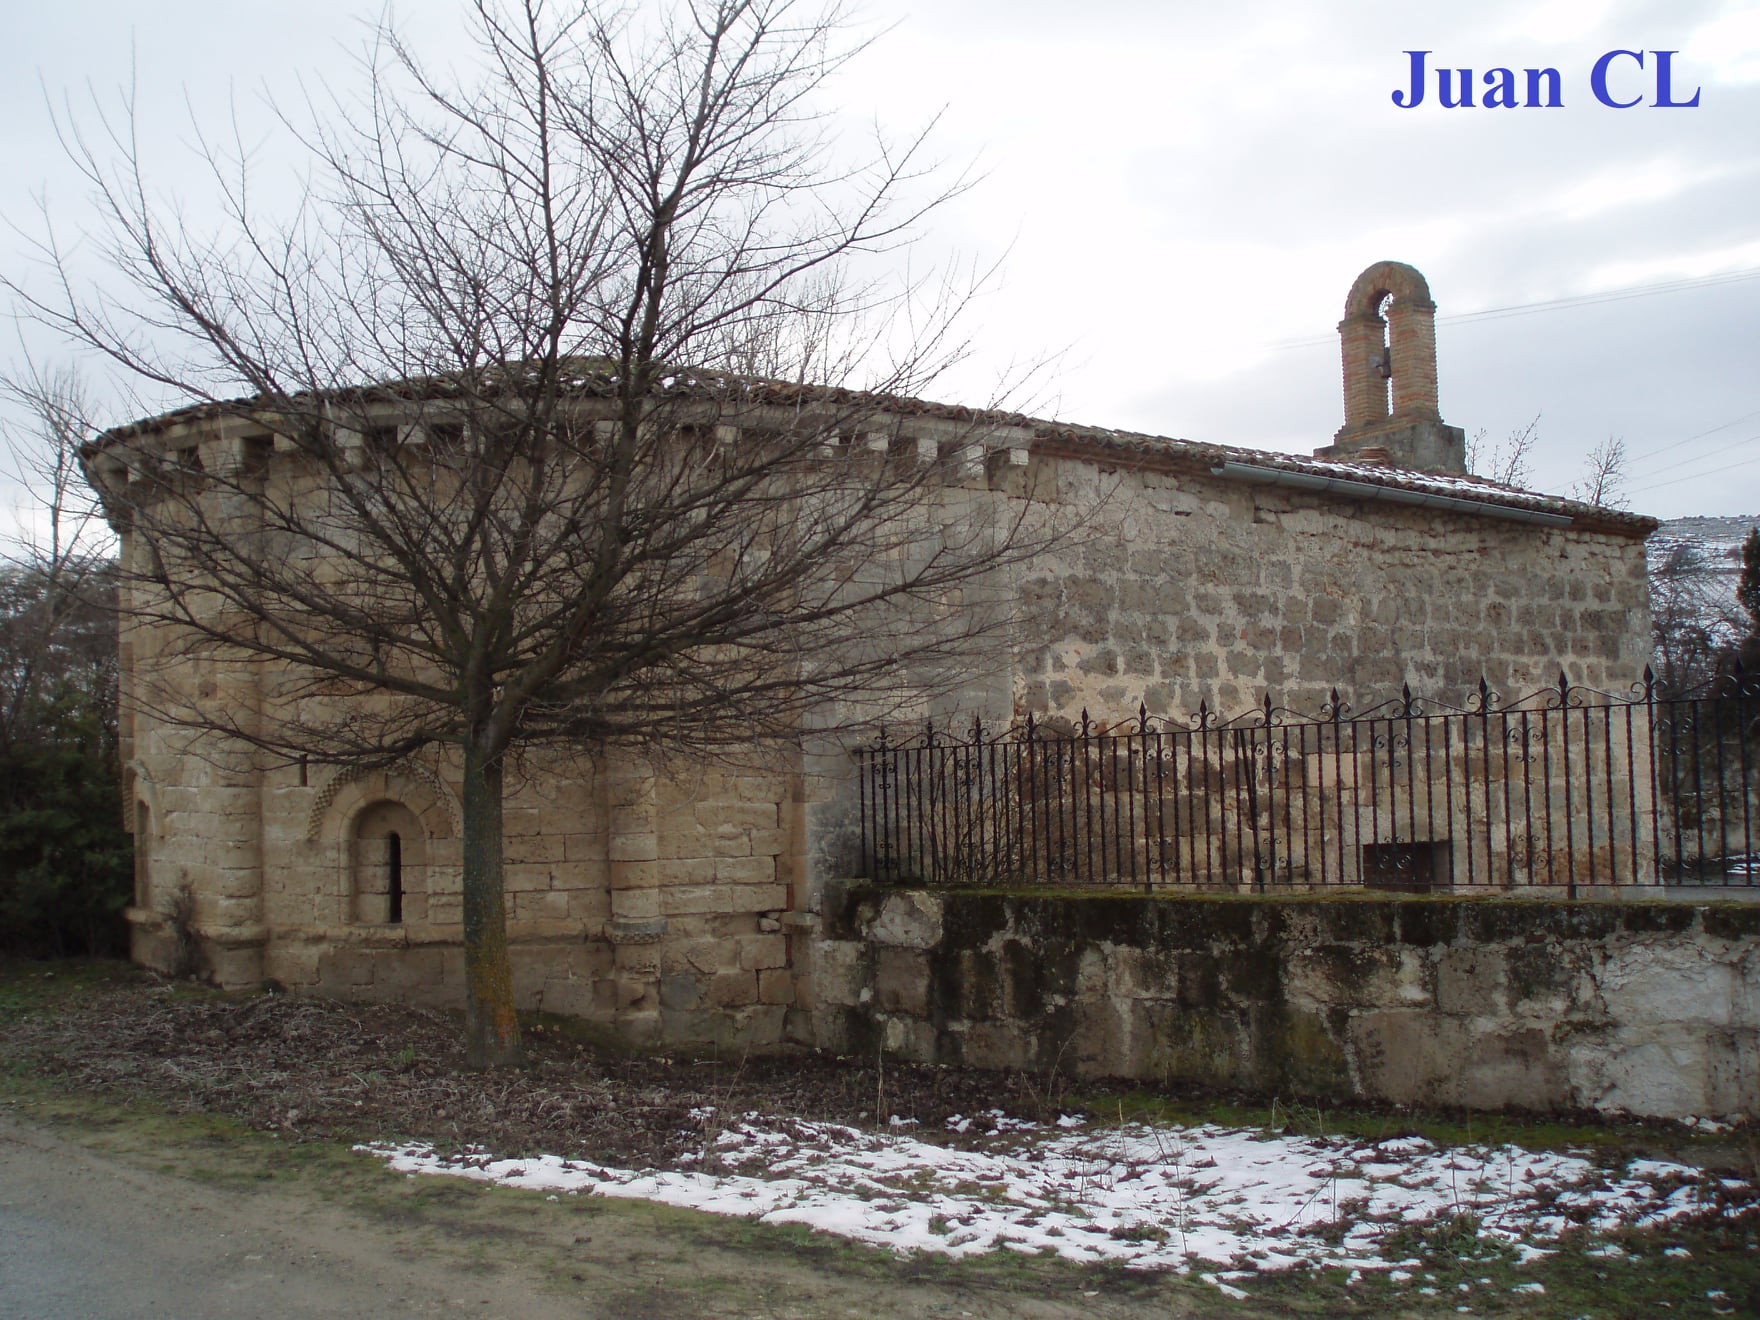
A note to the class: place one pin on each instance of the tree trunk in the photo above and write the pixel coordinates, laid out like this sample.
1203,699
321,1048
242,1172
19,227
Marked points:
490,1027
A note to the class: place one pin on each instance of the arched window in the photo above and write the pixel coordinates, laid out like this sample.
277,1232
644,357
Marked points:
387,865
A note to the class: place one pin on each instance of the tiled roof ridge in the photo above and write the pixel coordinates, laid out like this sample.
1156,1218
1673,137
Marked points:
1075,436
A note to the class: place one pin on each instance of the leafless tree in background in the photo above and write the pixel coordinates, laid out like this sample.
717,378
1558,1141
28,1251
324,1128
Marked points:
57,578
1694,619
65,862
501,476
1507,460
1603,482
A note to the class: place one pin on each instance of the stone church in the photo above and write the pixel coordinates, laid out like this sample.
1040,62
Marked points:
683,909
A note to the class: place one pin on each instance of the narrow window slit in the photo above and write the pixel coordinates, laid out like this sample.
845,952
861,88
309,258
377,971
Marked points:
394,877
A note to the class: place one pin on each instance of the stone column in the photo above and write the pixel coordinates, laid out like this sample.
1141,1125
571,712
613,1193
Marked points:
147,937
636,927
229,909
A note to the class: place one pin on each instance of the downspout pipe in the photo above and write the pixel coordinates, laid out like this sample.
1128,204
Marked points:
1364,490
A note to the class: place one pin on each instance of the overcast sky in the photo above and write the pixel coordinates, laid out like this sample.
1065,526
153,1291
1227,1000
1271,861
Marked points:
1182,192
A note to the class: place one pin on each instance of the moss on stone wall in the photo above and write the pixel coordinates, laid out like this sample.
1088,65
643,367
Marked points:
1473,1001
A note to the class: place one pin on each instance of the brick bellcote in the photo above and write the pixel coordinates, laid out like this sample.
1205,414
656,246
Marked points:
1388,345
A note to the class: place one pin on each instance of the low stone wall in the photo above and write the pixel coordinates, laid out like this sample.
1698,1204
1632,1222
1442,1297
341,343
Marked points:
1646,1008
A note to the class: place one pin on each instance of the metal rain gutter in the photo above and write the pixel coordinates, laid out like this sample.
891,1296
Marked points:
1364,490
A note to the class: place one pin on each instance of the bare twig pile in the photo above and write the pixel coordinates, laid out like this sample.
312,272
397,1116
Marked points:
316,1068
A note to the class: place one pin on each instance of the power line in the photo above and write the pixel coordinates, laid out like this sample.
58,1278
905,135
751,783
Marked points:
1747,440
1649,454
1703,476
1605,296
1565,303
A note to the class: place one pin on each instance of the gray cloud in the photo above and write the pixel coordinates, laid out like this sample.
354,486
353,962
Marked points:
1180,186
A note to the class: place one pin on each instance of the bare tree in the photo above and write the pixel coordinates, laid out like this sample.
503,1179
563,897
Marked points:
57,580
1505,461
1603,482
1748,581
500,476
64,857
1694,621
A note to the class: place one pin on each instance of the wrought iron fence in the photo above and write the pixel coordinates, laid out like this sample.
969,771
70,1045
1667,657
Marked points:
1563,789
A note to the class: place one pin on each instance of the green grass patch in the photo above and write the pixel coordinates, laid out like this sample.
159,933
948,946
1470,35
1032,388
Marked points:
1606,1142
1699,1270
1626,1274
32,986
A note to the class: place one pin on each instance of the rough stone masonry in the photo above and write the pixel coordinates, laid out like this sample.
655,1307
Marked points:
1627,1008
679,904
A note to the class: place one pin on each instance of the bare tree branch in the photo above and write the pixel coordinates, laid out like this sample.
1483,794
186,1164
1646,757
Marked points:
1603,482
1506,461
476,458
58,575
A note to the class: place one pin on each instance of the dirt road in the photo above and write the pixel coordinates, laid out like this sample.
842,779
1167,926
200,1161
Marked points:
91,1236
94,1233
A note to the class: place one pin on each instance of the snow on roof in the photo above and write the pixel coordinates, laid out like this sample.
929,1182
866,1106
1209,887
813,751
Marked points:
597,380
1468,488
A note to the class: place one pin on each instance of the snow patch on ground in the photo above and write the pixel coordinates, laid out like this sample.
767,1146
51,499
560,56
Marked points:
1148,1197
